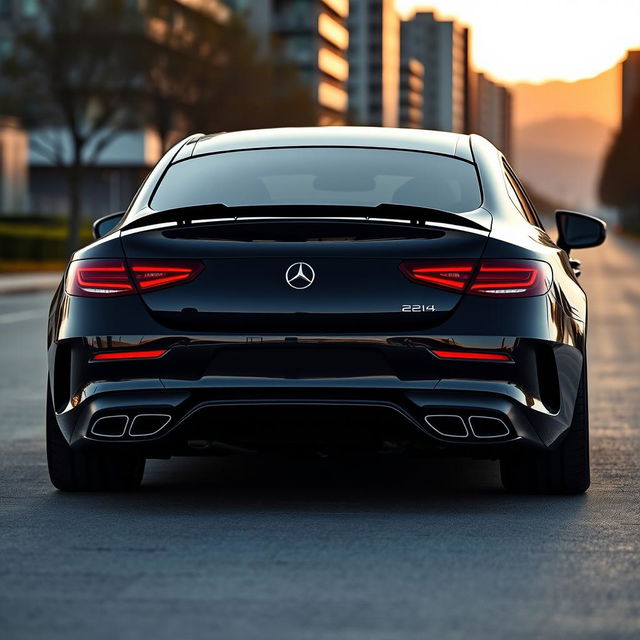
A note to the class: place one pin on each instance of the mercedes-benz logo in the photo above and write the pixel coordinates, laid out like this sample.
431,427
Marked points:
300,275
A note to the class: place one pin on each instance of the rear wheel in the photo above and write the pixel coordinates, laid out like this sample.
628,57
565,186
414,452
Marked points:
79,470
563,470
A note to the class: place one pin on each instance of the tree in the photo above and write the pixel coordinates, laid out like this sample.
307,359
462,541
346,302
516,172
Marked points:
219,81
244,90
86,72
69,73
620,179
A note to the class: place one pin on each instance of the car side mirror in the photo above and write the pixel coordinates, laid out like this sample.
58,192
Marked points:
579,231
103,226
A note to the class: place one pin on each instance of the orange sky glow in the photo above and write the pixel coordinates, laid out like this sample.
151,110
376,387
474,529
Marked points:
540,40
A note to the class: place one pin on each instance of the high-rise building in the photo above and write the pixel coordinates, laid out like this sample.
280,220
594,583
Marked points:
313,35
374,62
490,111
630,80
442,46
411,93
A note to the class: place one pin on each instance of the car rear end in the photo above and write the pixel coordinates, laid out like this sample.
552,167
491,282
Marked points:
247,327
184,355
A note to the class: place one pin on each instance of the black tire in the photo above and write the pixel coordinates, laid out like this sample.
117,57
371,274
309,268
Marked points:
81,470
563,470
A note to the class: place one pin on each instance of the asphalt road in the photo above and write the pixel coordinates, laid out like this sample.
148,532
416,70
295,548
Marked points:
376,548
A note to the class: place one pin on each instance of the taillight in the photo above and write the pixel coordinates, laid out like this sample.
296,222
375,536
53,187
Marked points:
100,278
152,274
129,355
470,355
97,278
446,274
511,278
496,278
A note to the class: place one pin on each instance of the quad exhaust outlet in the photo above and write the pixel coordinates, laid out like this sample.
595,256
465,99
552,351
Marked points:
474,426
137,426
448,425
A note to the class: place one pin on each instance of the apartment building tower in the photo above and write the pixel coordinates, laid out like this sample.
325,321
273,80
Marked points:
313,35
442,47
374,62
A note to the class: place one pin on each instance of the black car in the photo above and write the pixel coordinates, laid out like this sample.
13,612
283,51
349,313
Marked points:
323,290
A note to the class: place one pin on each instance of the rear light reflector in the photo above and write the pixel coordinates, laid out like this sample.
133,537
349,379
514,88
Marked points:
98,278
129,355
495,278
104,278
154,274
471,355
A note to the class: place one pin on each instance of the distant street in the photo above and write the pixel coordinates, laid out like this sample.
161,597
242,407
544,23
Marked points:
378,548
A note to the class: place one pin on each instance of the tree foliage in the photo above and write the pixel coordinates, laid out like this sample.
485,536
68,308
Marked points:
217,81
620,179
85,72
66,79
246,91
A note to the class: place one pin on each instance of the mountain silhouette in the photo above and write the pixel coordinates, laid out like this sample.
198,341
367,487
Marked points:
562,131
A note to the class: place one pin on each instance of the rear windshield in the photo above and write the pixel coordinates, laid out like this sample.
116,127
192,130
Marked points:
321,176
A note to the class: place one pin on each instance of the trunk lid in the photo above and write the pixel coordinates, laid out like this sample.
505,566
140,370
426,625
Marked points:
302,275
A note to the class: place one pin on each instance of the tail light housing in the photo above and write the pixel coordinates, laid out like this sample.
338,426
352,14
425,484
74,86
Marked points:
151,274
107,278
493,278
511,278
99,278
448,275
130,355
447,354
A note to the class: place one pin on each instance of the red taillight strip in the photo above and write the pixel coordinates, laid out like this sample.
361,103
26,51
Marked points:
93,278
455,275
500,278
111,277
161,274
485,281
435,275
471,355
129,355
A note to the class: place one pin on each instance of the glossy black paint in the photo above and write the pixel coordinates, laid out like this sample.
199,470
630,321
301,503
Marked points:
246,349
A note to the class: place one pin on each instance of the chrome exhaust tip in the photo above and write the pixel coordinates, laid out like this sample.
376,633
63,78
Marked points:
450,426
488,427
110,426
148,424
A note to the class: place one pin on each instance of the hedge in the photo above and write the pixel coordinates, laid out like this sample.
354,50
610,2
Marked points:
31,240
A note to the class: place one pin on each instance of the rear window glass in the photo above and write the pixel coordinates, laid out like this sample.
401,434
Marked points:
321,176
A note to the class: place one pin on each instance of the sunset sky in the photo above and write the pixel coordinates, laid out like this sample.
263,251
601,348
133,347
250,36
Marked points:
538,40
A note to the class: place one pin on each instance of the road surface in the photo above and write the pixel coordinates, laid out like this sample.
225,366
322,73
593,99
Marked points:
374,549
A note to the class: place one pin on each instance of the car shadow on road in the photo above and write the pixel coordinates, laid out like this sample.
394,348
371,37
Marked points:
371,484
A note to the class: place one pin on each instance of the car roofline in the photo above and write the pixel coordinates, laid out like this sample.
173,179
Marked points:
442,142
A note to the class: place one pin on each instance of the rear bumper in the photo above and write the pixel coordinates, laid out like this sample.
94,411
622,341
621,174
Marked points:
207,381
198,416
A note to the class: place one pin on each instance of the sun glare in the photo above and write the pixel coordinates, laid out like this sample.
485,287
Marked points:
524,41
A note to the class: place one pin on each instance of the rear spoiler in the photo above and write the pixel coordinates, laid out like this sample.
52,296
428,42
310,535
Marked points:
386,213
